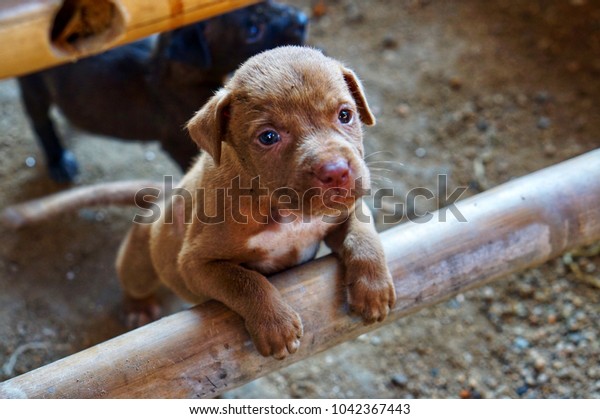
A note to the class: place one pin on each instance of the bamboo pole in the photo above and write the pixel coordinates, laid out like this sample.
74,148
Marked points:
36,34
205,351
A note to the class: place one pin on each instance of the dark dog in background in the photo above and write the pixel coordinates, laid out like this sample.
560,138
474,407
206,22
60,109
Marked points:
148,89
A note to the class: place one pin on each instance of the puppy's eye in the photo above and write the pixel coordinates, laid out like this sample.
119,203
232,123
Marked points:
345,116
269,137
254,32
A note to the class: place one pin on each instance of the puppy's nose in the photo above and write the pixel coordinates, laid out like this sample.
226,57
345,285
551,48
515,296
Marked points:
335,174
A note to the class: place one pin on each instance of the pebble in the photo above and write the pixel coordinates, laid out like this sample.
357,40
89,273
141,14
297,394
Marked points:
488,293
150,155
539,363
464,394
549,150
403,110
455,83
353,14
543,122
490,382
420,152
30,161
542,379
521,343
576,337
542,97
400,380
522,390
390,41
482,125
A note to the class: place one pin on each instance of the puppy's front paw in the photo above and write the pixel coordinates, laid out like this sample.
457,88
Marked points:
372,298
276,331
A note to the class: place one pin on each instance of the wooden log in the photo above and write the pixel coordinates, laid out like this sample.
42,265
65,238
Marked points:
36,34
205,351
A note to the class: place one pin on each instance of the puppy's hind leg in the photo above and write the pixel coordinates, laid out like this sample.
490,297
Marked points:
138,277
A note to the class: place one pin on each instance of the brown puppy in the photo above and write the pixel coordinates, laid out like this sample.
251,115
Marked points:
283,170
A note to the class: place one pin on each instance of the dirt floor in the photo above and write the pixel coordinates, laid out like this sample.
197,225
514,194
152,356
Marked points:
481,91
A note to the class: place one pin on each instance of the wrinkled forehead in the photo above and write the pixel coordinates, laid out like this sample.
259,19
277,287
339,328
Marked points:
298,84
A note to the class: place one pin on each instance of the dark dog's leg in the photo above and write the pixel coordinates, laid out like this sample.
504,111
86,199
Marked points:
36,99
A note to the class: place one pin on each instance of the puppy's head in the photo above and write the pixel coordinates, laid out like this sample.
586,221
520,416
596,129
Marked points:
293,118
220,44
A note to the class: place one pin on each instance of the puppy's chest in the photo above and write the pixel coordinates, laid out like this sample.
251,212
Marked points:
285,245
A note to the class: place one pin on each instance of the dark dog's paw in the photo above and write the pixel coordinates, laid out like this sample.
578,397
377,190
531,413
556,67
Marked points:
140,312
65,169
372,298
276,331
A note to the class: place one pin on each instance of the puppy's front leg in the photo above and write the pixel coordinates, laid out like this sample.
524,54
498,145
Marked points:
274,326
370,287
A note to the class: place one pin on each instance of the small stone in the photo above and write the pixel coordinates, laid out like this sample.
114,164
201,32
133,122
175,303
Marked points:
319,9
100,216
400,380
529,380
403,110
420,152
542,97
543,122
464,394
488,293
390,41
150,155
539,363
576,337
476,394
590,268
521,343
455,83
353,14
30,161
522,390
549,150
482,125
522,99
551,318
70,275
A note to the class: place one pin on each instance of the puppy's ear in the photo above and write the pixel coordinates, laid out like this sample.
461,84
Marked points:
356,89
208,126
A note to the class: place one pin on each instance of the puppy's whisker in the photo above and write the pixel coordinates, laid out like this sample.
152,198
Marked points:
381,180
380,169
380,152
379,163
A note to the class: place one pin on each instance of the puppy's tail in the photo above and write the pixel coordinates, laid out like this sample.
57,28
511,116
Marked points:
124,193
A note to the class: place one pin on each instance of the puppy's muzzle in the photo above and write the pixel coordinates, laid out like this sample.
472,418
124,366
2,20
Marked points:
334,174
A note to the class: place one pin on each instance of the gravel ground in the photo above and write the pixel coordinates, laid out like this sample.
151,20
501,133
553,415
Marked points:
480,91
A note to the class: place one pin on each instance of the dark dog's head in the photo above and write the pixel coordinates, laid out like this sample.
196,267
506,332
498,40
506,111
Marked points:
219,45
293,118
